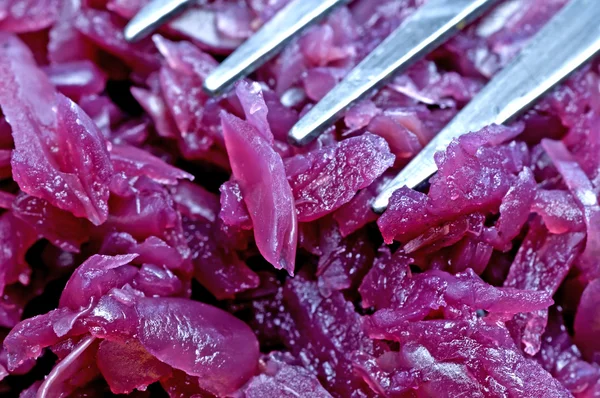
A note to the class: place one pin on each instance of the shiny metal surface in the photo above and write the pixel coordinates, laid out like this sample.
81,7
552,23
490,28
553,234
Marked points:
154,14
570,39
431,25
275,34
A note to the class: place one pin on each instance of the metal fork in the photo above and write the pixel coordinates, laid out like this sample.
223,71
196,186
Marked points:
570,39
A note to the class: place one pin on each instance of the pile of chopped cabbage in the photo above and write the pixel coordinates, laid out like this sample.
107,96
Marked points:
159,242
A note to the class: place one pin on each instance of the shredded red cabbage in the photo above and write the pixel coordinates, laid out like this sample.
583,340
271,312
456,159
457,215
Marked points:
159,242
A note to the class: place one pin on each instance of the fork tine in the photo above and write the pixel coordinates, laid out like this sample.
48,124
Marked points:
277,32
569,40
151,16
430,25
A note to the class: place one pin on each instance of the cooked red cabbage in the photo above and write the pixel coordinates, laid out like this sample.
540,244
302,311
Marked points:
156,240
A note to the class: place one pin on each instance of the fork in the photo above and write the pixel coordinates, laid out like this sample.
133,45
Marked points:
569,40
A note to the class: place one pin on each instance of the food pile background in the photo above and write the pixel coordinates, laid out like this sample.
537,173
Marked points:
158,242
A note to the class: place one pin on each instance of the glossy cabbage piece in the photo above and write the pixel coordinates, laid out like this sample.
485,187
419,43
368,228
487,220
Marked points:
133,132
357,213
426,83
195,201
151,251
360,114
96,277
172,330
475,173
450,233
344,262
265,115
562,358
281,378
29,337
324,180
156,108
181,79
352,165
259,171
454,246
65,43
233,211
144,209
126,8
336,44
486,47
541,264
137,369
255,109
515,208
327,331
60,227
186,102
60,155
407,216
559,211
105,114
199,24
176,332
448,358
106,31
587,199
34,15
404,144
133,162
76,79
413,297
156,280
379,287
266,9
189,243
216,266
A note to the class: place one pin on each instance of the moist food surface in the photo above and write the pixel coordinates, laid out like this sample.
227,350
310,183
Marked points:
158,242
